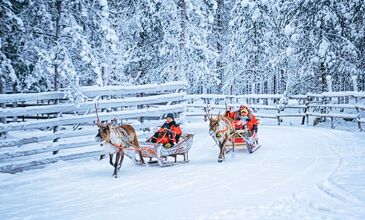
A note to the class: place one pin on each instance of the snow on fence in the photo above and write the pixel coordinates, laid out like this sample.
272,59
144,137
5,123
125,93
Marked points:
349,106
42,128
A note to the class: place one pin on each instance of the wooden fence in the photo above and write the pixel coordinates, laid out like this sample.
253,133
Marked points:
43,128
349,106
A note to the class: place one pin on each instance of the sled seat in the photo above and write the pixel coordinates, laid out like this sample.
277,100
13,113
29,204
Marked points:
241,131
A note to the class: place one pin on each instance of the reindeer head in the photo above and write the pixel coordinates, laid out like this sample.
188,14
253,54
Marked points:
104,128
103,132
213,122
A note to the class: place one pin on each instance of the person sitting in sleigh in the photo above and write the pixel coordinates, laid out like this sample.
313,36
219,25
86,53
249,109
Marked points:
168,134
250,120
243,116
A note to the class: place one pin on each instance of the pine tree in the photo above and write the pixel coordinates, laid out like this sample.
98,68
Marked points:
250,47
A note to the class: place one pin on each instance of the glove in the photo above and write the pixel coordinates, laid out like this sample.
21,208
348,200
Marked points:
248,119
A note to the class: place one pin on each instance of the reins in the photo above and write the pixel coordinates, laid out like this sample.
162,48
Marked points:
135,148
224,130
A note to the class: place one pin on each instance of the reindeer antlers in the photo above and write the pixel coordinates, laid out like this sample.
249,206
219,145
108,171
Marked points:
207,113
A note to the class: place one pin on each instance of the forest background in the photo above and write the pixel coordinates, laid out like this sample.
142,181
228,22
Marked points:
217,46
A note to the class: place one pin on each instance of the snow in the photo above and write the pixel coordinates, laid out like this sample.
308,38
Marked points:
124,114
323,47
289,30
314,174
94,91
256,15
289,51
245,3
103,3
295,38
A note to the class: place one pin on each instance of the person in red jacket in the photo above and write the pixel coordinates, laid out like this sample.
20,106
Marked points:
250,120
236,116
230,113
169,133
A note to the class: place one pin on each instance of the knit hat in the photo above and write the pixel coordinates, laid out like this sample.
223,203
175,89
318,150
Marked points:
244,111
170,115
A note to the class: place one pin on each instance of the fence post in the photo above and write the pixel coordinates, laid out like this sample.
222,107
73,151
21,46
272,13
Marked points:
278,117
354,83
2,105
56,128
141,119
308,106
306,103
15,118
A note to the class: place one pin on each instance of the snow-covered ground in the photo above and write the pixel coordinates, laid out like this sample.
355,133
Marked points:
299,173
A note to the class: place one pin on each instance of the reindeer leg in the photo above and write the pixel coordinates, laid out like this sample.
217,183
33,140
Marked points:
224,148
141,158
221,153
233,138
115,174
111,159
121,160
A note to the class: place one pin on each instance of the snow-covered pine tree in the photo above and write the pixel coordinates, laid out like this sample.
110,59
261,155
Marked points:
198,55
251,30
324,44
11,27
142,36
61,41
355,26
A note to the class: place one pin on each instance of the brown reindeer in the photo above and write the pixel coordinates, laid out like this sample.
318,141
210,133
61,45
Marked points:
221,128
115,139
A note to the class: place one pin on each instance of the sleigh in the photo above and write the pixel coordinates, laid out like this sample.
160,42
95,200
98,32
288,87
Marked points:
157,153
243,138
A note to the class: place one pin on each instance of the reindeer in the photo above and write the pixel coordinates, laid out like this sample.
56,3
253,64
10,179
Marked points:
221,128
116,138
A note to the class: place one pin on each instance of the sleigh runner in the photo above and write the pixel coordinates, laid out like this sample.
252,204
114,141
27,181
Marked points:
158,153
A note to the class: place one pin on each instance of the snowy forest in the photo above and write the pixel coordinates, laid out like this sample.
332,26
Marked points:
217,46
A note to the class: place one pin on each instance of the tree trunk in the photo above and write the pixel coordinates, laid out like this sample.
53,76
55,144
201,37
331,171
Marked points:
2,91
183,21
274,85
323,77
219,35
58,29
56,76
15,118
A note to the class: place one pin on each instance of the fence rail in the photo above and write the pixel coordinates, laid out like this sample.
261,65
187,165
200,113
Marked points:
43,128
37,134
346,105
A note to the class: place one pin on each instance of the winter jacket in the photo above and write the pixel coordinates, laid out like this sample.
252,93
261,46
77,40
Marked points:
251,122
231,114
172,135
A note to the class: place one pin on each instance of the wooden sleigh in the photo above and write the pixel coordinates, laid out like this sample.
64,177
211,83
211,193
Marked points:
157,153
241,139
